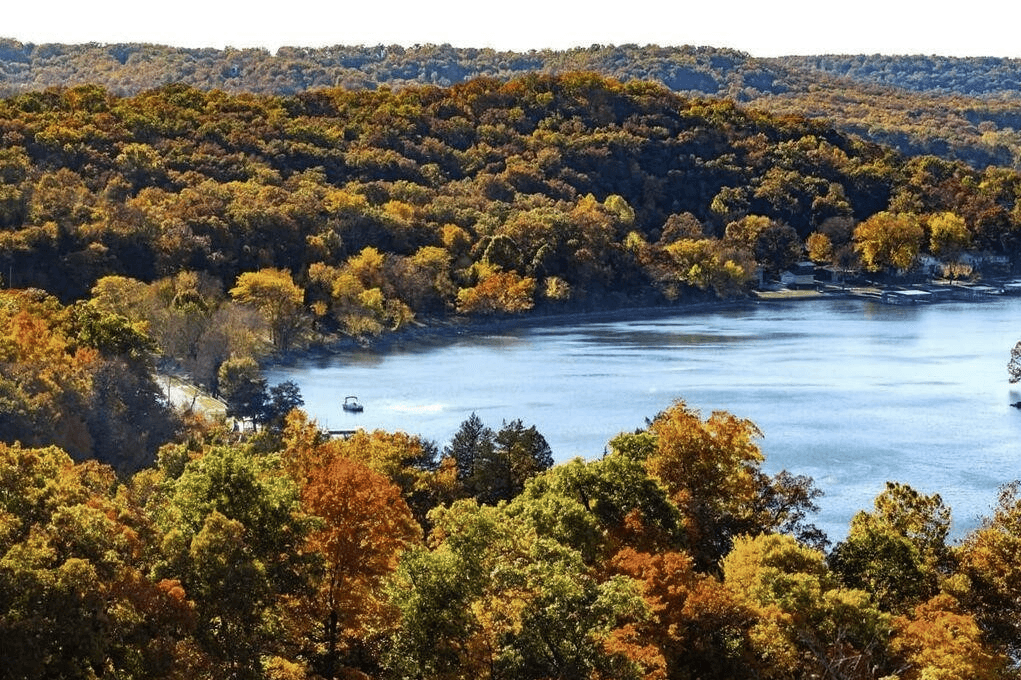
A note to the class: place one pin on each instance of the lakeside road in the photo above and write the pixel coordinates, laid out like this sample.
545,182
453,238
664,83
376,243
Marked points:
184,395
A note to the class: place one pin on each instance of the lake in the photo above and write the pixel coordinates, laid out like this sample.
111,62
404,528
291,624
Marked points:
849,392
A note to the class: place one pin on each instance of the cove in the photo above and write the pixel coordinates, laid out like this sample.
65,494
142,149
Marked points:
850,392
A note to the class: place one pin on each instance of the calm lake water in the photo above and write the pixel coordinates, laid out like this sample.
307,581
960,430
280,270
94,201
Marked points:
851,393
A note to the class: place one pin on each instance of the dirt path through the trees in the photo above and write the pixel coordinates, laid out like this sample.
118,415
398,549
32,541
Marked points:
184,395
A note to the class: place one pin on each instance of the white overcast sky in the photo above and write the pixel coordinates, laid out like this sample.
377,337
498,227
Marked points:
759,27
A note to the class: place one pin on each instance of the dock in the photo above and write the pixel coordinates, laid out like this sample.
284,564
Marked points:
925,293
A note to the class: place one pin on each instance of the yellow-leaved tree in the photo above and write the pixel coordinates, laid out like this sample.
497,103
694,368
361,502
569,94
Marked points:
889,240
949,235
280,301
806,625
988,556
711,471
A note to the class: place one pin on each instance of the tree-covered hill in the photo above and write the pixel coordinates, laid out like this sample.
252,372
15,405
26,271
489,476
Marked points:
127,69
989,77
954,108
588,188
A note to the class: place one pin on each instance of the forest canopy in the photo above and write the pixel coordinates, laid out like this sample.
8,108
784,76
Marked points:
955,108
358,211
672,556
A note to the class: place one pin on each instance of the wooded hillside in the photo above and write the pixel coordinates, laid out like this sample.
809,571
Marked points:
367,208
954,108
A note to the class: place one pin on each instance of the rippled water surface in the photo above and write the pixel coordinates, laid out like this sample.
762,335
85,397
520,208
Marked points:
851,393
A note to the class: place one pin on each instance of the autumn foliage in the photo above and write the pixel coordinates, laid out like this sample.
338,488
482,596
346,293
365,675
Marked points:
672,556
239,223
207,231
79,378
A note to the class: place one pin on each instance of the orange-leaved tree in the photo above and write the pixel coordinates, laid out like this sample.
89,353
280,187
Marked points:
406,460
365,525
497,292
939,640
696,627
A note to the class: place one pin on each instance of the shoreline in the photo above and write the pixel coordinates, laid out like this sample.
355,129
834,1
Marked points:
439,331
436,331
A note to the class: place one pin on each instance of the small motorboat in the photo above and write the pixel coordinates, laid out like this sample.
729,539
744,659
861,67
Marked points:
351,404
